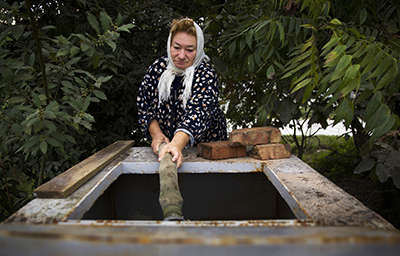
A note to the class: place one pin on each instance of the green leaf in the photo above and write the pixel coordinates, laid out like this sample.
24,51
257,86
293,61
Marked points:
86,124
75,103
249,38
381,173
70,139
95,59
396,180
111,44
333,55
84,47
373,105
250,63
89,117
380,116
393,159
335,22
32,59
388,77
303,56
74,50
3,129
363,16
344,111
82,37
365,165
281,32
303,83
77,119
363,96
384,127
125,27
72,62
63,52
119,19
302,65
49,114
262,117
381,68
94,99
53,106
343,63
128,55
94,23
32,141
353,85
36,100
62,40
43,146
270,72
34,114
85,104
38,126
17,31
104,79
49,125
377,60
333,42
105,21
350,75
53,142
232,49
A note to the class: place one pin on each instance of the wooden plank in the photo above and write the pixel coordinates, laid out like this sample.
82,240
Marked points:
68,181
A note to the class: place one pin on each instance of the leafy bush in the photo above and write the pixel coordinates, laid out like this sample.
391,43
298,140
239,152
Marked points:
48,83
332,156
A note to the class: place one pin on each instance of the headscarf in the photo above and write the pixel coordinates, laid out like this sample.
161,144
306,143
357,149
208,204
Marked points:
166,79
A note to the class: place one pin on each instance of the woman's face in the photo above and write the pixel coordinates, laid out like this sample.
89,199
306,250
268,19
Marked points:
183,49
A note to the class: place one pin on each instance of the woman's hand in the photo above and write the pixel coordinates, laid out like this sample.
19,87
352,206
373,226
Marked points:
174,150
175,147
157,140
157,136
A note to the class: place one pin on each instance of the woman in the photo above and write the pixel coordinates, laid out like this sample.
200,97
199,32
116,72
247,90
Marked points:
178,98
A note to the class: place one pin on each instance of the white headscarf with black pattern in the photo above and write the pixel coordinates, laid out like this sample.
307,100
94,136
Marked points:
166,79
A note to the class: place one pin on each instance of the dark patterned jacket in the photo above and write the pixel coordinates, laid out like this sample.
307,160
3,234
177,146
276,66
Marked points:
202,119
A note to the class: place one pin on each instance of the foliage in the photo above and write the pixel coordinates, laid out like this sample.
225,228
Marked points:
335,157
335,58
383,159
48,84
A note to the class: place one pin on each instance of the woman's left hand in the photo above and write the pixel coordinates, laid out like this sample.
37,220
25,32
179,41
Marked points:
174,150
175,147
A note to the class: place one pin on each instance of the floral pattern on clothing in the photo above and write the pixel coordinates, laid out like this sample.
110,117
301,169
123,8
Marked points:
202,119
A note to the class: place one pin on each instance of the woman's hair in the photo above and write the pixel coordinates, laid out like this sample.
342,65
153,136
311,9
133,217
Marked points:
185,25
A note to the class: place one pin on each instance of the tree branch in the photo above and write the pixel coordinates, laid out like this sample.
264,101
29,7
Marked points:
39,49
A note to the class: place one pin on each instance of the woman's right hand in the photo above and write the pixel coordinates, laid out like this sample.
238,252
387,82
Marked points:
157,136
157,140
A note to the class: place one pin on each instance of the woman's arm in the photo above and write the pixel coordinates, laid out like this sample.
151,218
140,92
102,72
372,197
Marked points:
175,147
157,136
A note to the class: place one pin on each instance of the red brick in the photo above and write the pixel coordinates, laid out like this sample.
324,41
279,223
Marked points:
254,136
270,151
220,150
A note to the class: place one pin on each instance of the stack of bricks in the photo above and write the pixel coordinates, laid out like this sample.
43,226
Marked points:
266,142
